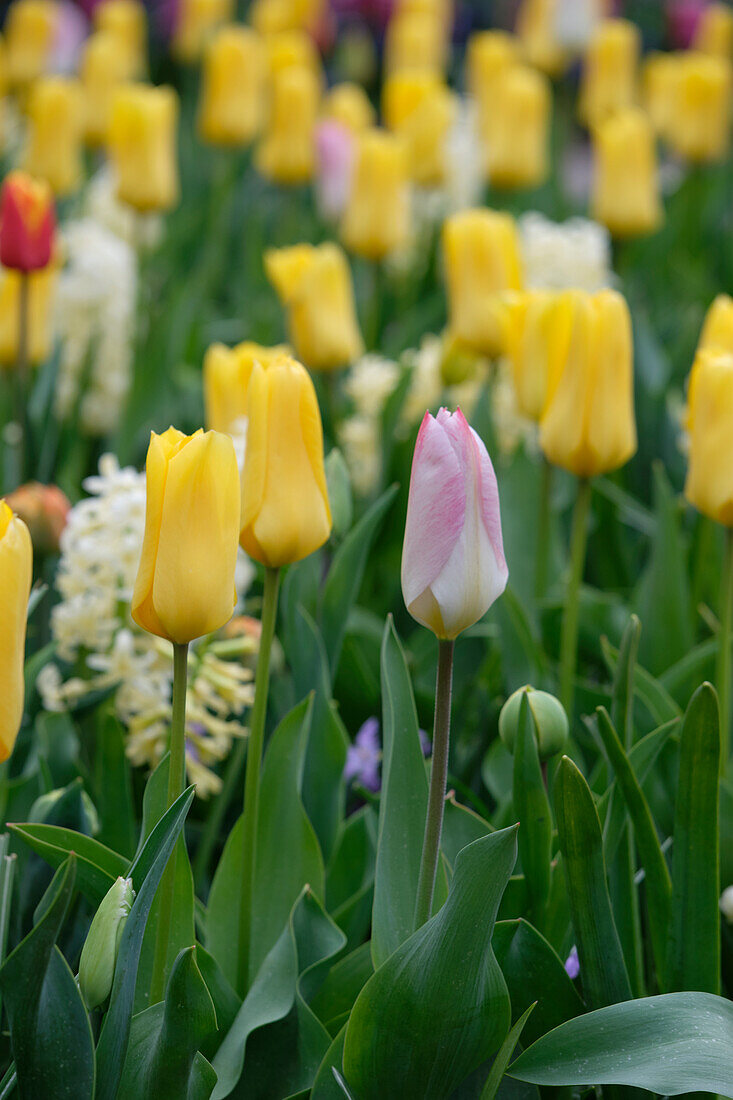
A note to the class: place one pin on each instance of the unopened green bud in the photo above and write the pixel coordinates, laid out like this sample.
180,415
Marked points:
338,482
550,720
99,954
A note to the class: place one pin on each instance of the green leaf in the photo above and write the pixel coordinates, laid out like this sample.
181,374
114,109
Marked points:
163,1059
345,981
350,875
502,1059
622,698
345,575
97,867
673,1044
114,785
146,873
50,1036
533,812
461,826
602,967
694,940
650,691
402,808
438,1007
325,1086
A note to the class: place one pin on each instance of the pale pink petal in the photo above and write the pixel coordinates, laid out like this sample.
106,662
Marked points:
489,496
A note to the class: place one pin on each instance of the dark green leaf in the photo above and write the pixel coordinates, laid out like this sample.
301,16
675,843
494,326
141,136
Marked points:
97,867
533,812
114,785
502,1059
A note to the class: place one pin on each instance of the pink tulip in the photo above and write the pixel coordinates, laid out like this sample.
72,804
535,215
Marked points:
335,158
453,565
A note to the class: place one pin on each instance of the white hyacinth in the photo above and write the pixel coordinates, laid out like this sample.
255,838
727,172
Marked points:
559,255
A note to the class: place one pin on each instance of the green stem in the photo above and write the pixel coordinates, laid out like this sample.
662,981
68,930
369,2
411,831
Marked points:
252,778
438,779
569,636
20,447
176,779
543,531
723,672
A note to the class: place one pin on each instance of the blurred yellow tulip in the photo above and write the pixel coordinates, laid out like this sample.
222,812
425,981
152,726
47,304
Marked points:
349,105
41,289
517,153
588,426
55,129
376,220
481,258
314,284
709,484
537,335
536,31
285,509
103,68
717,329
700,123
16,574
415,41
142,146
714,31
233,83
625,196
30,31
487,54
272,16
420,108
286,152
196,22
658,76
609,75
292,49
127,22
226,381
185,581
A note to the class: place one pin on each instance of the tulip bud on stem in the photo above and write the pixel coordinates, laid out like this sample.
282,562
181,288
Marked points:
438,781
569,636
724,650
252,777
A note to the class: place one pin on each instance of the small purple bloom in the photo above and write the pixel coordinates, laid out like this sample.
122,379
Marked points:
572,963
364,756
425,743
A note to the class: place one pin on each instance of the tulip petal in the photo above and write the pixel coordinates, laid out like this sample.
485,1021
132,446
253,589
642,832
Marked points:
16,568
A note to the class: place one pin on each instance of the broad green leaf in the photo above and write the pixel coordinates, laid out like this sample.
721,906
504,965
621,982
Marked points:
439,1006
650,691
673,1044
325,1086
97,866
602,967
146,874
114,785
532,810
50,1036
346,979
694,940
503,1058
350,875
461,826
58,742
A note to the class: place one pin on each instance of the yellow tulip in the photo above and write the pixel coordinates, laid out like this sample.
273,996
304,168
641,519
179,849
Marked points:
487,54
701,112
226,380
420,108
349,105
127,22
56,120
625,194
717,330
537,335
608,81
196,23
272,16
517,153
286,153
658,77
481,255
142,146
102,70
185,581
292,49
41,286
709,484
315,287
30,30
377,216
588,425
415,41
232,87
537,36
16,573
714,32
285,509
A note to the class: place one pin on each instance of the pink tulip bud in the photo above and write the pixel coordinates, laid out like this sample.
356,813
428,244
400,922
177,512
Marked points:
453,565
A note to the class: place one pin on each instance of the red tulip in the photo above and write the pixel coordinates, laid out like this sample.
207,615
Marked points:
27,223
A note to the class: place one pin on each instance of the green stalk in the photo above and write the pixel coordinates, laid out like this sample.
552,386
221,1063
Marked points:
252,777
543,531
176,778
723,671
438,779
20,446
218,809
569,636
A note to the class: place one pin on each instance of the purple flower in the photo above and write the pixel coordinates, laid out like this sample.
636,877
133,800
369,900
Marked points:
364,756
425,743
572,963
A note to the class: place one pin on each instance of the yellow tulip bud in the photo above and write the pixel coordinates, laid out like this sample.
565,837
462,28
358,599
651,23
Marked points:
625,194
16,573
285,509
41,288
538,38
701,116
588,425
55,125
292,49
481,254
709,484
349,105
226,380
127,22
195,25
232,87
487,54
142,146
377,216
421,109
415,41
517,153
102,70
537,335
314,285
714,32
658,81
717,330
30,30
185,581
608,81
286,153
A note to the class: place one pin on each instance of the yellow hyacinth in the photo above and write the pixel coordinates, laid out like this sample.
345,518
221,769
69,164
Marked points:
16,574
709,484
142,146
376,221
233,84
625,194
55,130
226,380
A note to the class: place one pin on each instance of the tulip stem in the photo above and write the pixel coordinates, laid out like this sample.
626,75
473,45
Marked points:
176,779
723,677
438,780
543,530
21,382
252,777
569,636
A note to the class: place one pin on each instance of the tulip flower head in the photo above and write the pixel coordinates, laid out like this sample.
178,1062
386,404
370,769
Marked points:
717,331
27,223
709,484
142,146
227,373
16,571
453,565
126,21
